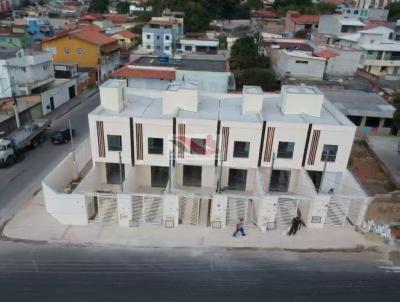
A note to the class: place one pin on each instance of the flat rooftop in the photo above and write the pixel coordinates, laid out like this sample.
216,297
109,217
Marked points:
360,103
147,104
195,64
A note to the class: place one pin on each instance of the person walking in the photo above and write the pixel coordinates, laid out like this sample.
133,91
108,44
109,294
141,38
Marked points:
239,228
296,225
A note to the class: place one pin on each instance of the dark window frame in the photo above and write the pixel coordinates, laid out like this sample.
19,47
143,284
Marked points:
151,149
388,123
198,146
288,150
355,119
112,146
237,153
332,153
162,172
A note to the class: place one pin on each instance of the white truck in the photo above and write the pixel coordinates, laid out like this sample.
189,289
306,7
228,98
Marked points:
30,135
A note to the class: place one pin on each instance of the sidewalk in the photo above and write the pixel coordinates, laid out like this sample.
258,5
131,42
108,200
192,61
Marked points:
34,223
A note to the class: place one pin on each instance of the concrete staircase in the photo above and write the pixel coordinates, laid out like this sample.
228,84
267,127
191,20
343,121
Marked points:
285,212
336,214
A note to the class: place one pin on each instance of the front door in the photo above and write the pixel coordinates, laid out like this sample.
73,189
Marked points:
192,176
71,91
237,179
113,174
52,104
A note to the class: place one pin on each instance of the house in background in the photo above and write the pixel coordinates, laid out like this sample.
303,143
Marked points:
39,28
15,36
25,71
368,111
295,22
92,51
126,39
380,53
160,34
199,45
210,72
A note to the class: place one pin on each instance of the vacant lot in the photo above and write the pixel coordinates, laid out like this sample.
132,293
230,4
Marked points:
368,170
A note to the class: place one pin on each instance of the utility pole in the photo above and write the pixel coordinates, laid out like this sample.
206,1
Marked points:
72,149
120,172
272,170
170,172
323,172
220,174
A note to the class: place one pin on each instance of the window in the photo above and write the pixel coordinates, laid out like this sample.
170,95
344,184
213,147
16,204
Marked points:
372,41
241,149
330,151
45,67
355,12
114,142
148,47
80,51
148,37
388,123
370,52
159,176
167,37
188,48
285,150
355,119
198,146
155,145
158,47
167,48
67,50
301,62
372,122
158,37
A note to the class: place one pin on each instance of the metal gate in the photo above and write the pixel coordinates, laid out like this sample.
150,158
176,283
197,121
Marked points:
147,209
236,209
107,211
189,210
286,210
337,211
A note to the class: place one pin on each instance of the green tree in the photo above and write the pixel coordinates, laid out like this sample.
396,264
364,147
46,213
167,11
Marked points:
265,78
394,11
244,53
98,6
122,7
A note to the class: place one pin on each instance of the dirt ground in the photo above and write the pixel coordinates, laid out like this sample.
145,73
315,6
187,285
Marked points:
368,170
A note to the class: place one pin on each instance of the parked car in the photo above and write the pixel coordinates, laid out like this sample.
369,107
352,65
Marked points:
62,136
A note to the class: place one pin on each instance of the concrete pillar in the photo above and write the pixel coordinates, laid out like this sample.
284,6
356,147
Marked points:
266,211
170,210
124,204
319,208
219,205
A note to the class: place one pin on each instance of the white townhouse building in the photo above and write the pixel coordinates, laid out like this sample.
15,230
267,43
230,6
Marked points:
181,156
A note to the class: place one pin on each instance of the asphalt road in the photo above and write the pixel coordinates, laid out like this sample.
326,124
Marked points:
19,182
61,273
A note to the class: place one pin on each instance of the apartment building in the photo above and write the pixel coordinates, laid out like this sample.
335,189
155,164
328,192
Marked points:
183,157
380,53
161,33
336,25
25,71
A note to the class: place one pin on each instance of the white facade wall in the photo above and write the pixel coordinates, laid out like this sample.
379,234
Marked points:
112,126
346,64
285,132
59,93
332,135
239,131
295,67
155,129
